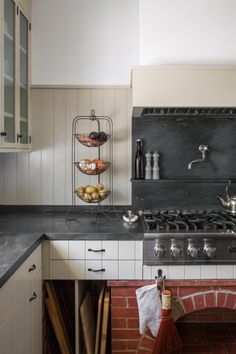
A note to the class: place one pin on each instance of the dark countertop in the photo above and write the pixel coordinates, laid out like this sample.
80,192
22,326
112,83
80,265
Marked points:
22,232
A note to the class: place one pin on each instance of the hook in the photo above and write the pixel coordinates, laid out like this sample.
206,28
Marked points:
159,276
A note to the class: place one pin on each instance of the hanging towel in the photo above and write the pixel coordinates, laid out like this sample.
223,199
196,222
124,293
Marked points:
149,308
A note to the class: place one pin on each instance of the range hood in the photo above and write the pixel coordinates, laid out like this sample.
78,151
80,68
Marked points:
183,86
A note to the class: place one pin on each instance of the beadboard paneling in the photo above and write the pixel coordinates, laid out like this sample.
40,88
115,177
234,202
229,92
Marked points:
44,175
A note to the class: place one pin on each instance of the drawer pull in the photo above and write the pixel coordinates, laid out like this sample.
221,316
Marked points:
101,250
33,297
33,267
96,270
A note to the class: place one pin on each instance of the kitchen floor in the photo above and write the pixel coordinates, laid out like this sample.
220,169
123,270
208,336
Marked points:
207,338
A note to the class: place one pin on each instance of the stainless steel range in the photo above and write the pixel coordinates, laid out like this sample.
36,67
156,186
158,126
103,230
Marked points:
188,237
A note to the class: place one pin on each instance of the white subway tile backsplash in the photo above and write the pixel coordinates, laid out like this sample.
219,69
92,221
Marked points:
176,272
225,271
208,272
192,272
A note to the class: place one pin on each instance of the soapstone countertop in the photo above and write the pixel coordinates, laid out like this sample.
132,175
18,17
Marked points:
22,231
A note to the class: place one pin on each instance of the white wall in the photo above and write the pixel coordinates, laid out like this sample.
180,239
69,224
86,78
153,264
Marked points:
187,32
84,42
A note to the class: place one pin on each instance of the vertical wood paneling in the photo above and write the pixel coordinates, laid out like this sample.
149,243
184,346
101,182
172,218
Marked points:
71,112
35,157
22,177
47,146
108,109
59,147
120,148
44,175
10,195
82,152
2,179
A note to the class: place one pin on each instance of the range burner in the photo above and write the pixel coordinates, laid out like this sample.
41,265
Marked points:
187,221
188,237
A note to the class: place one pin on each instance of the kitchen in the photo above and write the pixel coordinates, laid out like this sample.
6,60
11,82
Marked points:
80,58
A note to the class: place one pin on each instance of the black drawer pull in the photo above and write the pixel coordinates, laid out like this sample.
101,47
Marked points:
33,267
96,270
33,297
3,133
101,250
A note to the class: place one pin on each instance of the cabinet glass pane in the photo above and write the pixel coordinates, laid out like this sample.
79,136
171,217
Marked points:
9,70
23,79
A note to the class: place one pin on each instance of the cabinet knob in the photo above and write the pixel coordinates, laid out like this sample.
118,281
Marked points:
3,133
33,297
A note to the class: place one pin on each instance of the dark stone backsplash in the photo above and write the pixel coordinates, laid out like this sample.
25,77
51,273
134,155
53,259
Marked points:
177,139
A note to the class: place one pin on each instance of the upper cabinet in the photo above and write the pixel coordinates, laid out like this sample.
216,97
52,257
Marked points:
15,76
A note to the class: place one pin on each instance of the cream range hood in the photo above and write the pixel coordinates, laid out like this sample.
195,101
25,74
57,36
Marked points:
184,86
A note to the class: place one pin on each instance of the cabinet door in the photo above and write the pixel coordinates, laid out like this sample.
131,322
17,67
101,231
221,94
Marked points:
23,135
8,132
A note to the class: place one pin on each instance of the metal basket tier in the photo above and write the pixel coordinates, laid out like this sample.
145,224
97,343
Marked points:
85,140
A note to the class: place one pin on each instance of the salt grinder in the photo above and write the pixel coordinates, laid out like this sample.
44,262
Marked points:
155,170
148,167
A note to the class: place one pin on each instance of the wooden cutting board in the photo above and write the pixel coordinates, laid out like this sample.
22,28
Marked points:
88,323
99,319
105,317
57,320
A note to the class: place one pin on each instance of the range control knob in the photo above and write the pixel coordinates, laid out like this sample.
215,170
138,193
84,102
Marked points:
209,249
159,250
175,250
193,250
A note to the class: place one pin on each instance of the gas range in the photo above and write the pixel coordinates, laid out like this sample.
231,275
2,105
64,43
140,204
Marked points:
188,237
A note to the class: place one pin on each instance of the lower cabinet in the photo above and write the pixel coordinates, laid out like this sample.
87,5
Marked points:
95,260
21,331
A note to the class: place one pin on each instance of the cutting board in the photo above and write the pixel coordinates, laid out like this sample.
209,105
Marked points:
105,318
99,320
88,323
57,320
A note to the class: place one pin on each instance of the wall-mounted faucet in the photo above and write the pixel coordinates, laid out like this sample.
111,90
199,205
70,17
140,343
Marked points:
203,149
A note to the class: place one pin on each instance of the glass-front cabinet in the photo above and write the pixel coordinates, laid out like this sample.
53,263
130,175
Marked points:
15,129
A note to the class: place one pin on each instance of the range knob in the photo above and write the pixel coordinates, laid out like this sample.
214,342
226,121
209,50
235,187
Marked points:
175,250
193,250
209,249
159,250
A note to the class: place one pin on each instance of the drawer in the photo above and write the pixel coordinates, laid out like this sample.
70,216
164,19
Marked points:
126,250
94,250
59,249
59,269
77,269
77,249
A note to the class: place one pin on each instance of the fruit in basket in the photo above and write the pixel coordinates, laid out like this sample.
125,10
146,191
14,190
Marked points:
95,196
92,194
94,136
99,186
87,197
102,136
90,189
103,192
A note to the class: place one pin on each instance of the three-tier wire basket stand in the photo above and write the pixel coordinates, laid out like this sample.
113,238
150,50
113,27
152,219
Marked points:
100,151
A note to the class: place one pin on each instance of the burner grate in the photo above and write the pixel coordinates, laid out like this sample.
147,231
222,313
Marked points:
188,221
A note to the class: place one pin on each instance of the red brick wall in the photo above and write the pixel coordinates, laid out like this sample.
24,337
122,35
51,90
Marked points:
190,298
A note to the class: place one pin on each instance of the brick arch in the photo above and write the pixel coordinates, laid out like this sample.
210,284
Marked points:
192,302
203,300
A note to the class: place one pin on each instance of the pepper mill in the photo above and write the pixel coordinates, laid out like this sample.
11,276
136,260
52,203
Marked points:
155,170
148,167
